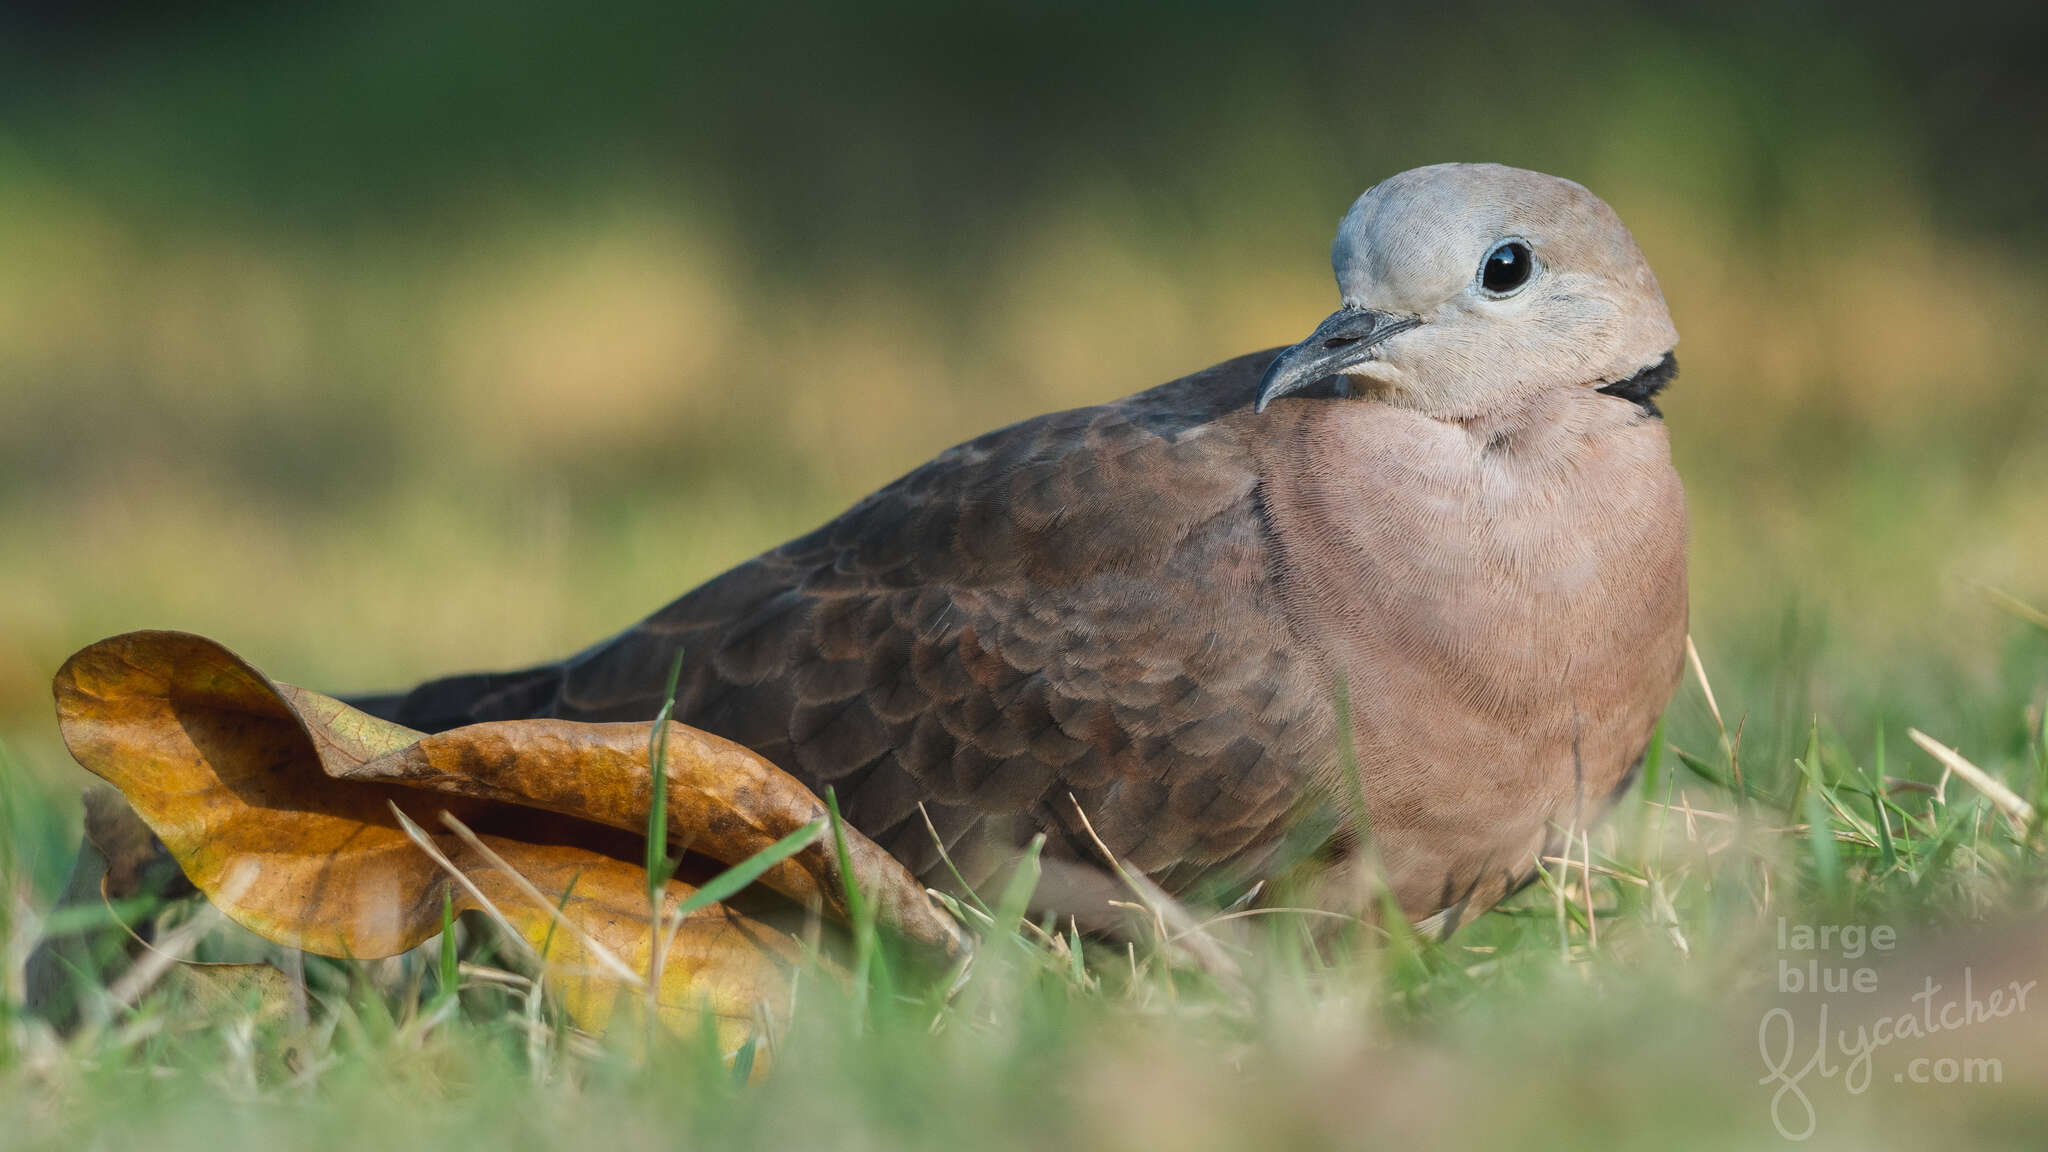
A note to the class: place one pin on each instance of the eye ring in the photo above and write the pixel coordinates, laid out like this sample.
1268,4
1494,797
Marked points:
1507,268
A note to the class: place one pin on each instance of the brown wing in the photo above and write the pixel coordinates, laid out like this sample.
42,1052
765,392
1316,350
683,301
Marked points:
1077,603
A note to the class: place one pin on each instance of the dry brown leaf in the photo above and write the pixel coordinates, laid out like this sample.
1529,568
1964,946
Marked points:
230,769
724,802
217,992
136,861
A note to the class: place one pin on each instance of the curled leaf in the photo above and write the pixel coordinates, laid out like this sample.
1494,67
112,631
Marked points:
234,772
724,802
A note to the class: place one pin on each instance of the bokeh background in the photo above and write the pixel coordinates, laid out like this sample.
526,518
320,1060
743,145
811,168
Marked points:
384,340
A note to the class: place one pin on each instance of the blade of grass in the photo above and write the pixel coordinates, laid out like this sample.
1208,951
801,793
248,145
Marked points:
561,908
659,864
1827,861
1017,892
743,1060
1079,971
867,966
728,883
598,951
659,867
731,881
1888,854
2017,810
947,858
1728,752
451,963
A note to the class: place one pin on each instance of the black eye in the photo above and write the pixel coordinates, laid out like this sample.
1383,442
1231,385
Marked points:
1507,267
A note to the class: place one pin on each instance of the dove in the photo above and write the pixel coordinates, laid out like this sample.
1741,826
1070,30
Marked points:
1421,574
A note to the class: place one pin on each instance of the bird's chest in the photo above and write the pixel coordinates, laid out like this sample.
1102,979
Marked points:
1501,578
1507,610
1514,563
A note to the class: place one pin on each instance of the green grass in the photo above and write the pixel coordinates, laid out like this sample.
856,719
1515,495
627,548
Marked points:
1618,1000
414,339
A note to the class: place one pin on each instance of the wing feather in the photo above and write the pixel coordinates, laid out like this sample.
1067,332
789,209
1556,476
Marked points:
1080,604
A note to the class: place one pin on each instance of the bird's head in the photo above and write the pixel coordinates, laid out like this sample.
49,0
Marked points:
1468,285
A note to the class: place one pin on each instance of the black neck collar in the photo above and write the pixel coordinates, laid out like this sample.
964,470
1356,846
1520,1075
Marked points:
1641,389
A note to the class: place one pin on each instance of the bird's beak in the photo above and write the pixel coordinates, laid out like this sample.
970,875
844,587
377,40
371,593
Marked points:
1348,337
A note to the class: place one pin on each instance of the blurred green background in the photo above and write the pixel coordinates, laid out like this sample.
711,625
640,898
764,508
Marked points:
385,340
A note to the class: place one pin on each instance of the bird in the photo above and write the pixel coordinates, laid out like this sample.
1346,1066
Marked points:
1416,583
